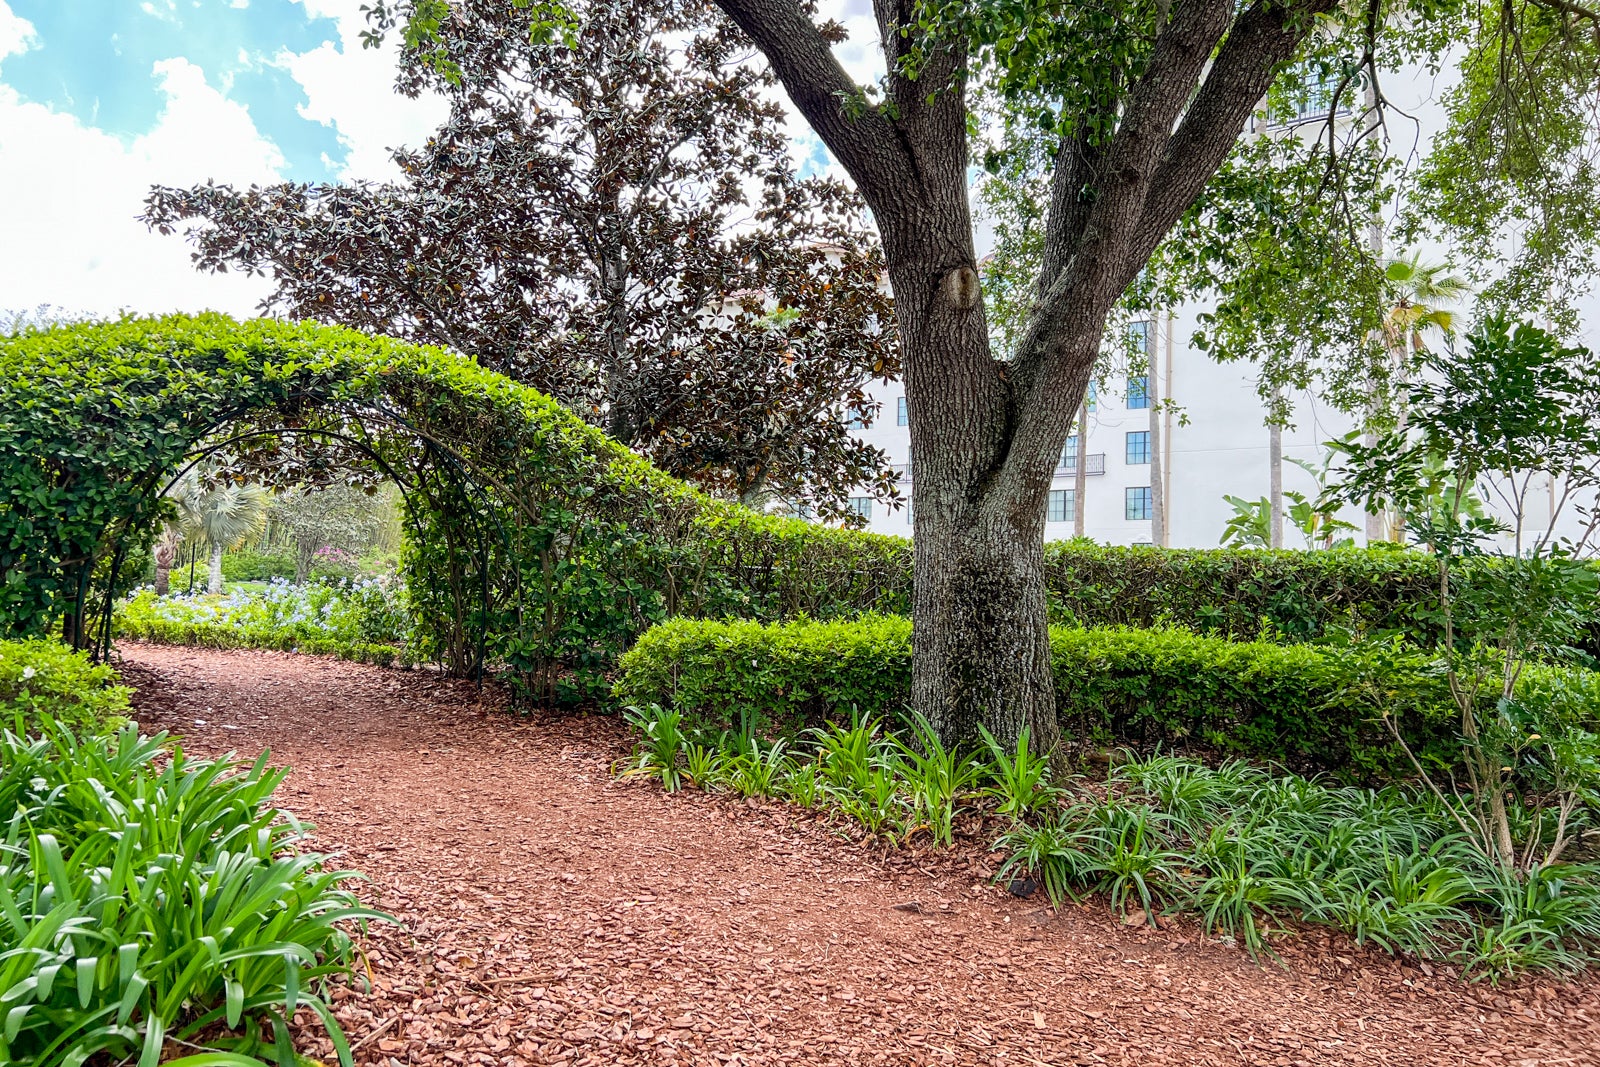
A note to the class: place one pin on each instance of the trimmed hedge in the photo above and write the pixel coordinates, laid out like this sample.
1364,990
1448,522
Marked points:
781,676
1252,593
1299,705
229,635
40,678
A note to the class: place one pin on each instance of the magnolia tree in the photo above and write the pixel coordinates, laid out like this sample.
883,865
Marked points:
614,218
1140,104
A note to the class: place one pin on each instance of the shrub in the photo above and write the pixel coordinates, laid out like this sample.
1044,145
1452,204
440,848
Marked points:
148,896
755,677
42,679
362,621
1305,706
252,566
1248,593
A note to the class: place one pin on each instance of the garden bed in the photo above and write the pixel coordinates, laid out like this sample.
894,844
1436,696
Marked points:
557,915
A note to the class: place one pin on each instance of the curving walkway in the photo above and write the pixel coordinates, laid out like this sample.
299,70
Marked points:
556,915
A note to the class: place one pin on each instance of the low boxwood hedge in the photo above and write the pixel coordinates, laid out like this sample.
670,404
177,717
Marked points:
224,635
42,678
1300,705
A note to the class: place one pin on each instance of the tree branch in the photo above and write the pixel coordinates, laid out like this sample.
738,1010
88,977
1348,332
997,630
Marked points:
863,140
1262,39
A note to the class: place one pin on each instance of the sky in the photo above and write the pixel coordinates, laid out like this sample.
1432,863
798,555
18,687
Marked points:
100,99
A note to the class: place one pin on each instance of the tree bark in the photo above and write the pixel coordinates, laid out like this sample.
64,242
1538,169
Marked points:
215,583
988,433
1080,474
166,554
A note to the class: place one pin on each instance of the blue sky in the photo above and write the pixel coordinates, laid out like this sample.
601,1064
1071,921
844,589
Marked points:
95,60
101,99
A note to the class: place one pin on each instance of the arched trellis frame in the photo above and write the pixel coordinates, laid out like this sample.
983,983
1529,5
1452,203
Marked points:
439,455
575,544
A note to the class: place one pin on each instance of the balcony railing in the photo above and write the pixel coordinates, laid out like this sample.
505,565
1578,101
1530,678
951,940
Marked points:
1094,463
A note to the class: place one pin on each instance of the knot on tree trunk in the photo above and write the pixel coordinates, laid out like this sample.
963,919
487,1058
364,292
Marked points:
960,289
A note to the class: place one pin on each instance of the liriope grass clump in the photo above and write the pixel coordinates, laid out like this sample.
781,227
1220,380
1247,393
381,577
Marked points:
151,904
1248,852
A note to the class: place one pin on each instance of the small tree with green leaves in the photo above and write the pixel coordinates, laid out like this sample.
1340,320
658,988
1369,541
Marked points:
1514,416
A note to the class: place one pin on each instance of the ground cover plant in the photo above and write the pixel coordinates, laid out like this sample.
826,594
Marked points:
147,897
1247,852
365,620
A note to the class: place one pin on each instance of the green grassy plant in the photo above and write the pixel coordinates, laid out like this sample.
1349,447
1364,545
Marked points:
145,895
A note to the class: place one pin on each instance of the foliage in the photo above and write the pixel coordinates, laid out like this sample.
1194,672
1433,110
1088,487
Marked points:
535,544
357,620
1296,596
1512,409
258,566
1250,524
1301,705
215,513
147,896
752,677
1246,848
340,516
1243,848
1511,180
612,217
44,680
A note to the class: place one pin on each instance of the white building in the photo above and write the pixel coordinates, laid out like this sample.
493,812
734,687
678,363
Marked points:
1215,444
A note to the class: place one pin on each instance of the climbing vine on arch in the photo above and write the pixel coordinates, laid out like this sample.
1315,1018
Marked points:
535,544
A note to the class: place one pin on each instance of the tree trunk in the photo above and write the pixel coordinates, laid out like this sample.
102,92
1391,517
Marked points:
1275,486
1080,476
982,647
305,555
166,554
215,583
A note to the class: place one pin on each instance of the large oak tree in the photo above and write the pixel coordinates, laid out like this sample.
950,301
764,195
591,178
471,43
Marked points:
1143,101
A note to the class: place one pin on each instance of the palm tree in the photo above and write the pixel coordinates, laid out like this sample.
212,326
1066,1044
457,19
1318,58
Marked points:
220,518
1414,292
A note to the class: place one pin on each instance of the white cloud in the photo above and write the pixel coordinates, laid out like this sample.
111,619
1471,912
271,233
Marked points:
72,237
351,89
16,33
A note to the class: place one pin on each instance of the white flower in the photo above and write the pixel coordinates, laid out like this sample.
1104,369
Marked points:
28,672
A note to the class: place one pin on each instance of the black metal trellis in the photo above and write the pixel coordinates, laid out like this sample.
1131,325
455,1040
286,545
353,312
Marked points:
436,453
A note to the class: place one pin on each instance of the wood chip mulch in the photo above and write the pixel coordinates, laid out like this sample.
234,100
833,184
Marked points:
555,915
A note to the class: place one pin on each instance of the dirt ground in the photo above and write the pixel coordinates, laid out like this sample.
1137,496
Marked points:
555,915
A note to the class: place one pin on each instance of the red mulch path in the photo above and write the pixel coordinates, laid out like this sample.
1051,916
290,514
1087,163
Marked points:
556,915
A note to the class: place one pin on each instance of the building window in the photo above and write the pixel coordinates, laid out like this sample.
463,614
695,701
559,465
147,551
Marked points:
1138,392
1141,337
856,418
1138,447
1069,454
1063,506
909,521
1138,501
861,505
902,415
1312,98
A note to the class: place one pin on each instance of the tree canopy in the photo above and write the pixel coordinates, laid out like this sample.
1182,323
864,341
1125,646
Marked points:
612,216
